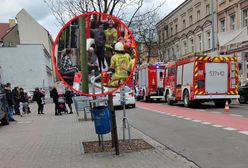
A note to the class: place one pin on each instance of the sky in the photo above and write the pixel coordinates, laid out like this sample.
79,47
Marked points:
41,13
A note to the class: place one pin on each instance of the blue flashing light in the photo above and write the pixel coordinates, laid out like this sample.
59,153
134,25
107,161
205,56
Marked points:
157,66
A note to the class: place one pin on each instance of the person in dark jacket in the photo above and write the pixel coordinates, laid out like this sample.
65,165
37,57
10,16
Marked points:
10,101
100,40
55,96
68,99
39,98
23,102
16,94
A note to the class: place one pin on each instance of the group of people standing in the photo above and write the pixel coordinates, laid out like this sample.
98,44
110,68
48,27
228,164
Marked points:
17,101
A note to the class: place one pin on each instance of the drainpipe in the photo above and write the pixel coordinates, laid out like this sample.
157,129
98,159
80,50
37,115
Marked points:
213,23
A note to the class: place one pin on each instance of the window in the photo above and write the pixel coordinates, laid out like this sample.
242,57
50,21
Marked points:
192,44
245,18
208,40
198,15
176,28
190,20
172,31
222,26
232,22
184,24
199,41
185,47
207,9
167,33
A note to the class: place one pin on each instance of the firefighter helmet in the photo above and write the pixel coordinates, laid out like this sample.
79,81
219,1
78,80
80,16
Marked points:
119,46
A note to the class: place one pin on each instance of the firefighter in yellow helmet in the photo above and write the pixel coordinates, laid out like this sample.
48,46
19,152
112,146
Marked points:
119,65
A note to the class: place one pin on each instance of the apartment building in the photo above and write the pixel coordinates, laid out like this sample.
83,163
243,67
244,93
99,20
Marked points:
190,28
232,31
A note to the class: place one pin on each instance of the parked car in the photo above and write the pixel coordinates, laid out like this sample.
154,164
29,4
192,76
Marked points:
3,107
129,94
243,93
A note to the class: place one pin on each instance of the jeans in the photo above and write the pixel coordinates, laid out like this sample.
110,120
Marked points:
10,112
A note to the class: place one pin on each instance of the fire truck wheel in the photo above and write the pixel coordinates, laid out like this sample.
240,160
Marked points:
186,101
242,99
168,100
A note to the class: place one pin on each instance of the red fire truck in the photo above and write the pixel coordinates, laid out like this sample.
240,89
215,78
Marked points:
200,78
149,81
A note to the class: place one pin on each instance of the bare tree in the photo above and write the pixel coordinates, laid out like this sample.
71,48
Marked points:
144,29
123,9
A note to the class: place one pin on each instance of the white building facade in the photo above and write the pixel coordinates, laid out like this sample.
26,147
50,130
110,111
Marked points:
26,66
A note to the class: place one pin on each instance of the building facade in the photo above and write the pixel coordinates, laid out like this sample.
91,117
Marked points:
232,31
190,28
26,66
26,30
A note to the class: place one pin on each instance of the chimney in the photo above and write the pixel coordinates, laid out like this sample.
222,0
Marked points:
12,23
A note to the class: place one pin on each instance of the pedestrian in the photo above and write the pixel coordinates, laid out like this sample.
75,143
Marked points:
119,65
68,99
55,96
39,98
16,94
23,102
111,40
100,40
10,101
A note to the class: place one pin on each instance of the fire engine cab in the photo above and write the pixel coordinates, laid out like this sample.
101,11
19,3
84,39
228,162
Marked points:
198,78
149,81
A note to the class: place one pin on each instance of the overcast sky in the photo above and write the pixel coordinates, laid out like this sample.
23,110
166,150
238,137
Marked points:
39,10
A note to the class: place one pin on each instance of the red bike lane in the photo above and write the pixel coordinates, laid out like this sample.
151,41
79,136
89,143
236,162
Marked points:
224,120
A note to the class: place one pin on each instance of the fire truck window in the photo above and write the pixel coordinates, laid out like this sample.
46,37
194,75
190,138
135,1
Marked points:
171,71
161,74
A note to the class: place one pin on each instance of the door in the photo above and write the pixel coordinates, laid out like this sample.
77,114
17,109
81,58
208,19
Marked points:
216,78
160,78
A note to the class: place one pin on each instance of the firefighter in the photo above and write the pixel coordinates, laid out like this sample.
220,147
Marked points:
111,39
119,65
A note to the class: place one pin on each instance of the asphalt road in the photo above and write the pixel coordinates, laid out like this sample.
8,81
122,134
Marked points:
208,145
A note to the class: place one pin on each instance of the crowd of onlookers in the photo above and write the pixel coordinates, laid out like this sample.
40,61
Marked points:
17,100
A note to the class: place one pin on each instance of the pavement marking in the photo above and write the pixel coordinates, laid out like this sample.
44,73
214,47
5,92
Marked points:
196,120
205,123
201,110
216,112
217,126
187,118
24,122
179,116
173,115
243,132
230,129
235,115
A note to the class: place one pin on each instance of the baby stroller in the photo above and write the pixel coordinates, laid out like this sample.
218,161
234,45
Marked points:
61,104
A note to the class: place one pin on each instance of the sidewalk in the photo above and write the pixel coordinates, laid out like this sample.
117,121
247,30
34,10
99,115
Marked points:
50,141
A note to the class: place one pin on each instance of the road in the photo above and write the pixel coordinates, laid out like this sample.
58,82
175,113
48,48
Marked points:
209,137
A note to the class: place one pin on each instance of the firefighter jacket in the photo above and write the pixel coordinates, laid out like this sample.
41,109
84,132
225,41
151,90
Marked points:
120,63
111,37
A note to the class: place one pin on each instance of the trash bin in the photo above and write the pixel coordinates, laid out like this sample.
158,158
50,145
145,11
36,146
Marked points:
102,119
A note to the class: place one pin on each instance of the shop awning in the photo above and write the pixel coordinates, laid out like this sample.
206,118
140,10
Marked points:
233,37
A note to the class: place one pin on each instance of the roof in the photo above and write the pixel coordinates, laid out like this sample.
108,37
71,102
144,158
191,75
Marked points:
4,28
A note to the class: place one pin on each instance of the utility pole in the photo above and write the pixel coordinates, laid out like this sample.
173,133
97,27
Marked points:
114,134
83,55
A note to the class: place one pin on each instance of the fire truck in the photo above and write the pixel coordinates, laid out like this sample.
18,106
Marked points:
149,81
199,78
